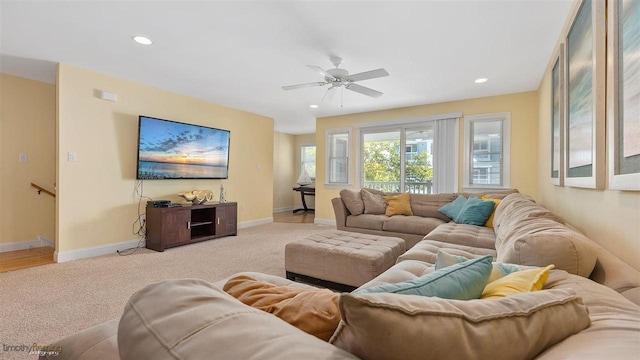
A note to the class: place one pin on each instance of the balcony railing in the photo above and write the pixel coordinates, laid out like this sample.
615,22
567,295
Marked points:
394,186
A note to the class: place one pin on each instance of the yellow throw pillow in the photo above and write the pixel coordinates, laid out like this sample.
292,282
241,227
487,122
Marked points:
517,282
489,222
315,312
398,204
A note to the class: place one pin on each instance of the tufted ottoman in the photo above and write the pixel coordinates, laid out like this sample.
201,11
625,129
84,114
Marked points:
340,259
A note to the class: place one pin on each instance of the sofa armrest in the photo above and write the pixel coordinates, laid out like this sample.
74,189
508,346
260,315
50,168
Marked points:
341,213
97,342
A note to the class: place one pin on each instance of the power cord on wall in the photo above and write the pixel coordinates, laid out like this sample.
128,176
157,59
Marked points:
139,225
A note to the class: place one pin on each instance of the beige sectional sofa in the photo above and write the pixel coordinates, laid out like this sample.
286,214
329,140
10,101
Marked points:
352,214
589,308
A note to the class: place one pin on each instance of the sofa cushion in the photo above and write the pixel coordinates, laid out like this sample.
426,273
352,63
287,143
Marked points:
453,208
373,202
312,311
398,205
475,212
615,322
461,281
427,250
392,326
517,282
411,224
427,205
96,342
352,200
193,319
489,222
463,234
499,270
366,221
531,235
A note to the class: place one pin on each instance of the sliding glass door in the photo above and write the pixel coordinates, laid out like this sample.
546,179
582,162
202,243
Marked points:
397,159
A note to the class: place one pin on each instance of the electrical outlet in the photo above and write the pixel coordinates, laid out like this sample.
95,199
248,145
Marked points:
143,218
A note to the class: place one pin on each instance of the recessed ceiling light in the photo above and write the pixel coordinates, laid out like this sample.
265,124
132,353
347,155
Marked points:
314,106
481,80
142,40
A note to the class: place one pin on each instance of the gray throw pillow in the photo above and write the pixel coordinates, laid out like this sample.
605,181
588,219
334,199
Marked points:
373,202
352,200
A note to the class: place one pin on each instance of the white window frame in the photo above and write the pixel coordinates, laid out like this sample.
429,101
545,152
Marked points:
328,169
505,166
386,125
302,146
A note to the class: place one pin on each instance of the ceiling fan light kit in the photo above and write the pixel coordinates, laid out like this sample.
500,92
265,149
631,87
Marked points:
340,78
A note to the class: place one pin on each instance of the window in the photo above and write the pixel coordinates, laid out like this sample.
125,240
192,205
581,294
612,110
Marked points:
414,155
308,159
338,149
487,146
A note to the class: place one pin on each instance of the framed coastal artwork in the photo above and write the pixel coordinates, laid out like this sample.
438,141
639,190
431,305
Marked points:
557,119
623,94
585,49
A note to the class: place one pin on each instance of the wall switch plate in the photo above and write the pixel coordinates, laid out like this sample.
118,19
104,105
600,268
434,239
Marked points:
71,157
23,158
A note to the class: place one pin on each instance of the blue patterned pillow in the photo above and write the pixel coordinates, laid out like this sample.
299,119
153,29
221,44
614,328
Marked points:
462,281
499,270
453,208
475,212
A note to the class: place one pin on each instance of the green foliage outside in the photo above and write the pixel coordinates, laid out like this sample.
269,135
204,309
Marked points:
382,163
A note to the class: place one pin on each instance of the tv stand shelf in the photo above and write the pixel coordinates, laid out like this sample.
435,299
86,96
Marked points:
175,226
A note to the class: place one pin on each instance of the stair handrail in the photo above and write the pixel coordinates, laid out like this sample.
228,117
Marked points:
41,189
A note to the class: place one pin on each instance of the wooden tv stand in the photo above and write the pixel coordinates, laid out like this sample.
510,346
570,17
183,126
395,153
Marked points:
175,226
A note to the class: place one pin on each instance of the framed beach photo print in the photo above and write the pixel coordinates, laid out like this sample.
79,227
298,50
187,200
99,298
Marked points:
557,119
585,97
623,94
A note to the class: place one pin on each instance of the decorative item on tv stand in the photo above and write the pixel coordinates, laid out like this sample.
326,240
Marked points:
223,196
197,197
304,179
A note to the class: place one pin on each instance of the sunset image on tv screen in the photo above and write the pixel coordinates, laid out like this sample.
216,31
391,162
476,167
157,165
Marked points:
173,150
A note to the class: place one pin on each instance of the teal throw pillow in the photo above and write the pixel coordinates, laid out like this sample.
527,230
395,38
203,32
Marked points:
475,212
462,281
444,259
453,208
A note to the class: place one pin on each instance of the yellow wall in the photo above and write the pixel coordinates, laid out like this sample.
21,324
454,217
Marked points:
524,117
27,125
609,217
283,170
97,203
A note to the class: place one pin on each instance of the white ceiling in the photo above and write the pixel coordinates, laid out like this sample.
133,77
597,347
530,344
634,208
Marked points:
240,53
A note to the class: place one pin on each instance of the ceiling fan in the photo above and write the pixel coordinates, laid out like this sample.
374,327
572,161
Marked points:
340,78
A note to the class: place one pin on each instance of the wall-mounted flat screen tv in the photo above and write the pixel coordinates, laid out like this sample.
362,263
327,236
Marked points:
174,150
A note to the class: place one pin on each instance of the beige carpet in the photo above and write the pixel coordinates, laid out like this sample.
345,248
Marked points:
46,303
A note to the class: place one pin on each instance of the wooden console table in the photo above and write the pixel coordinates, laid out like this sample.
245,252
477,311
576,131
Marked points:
174,226
305,190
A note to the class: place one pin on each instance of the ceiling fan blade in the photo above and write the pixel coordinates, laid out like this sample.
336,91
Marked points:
300,86
367,75
321,71
363,90
328,95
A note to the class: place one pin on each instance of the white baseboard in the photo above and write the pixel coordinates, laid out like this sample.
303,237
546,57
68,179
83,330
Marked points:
27,244
326,222
69,255
250,223
45,241
19,245
284,209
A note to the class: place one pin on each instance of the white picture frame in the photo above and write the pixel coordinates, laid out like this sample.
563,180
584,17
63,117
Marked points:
623,128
